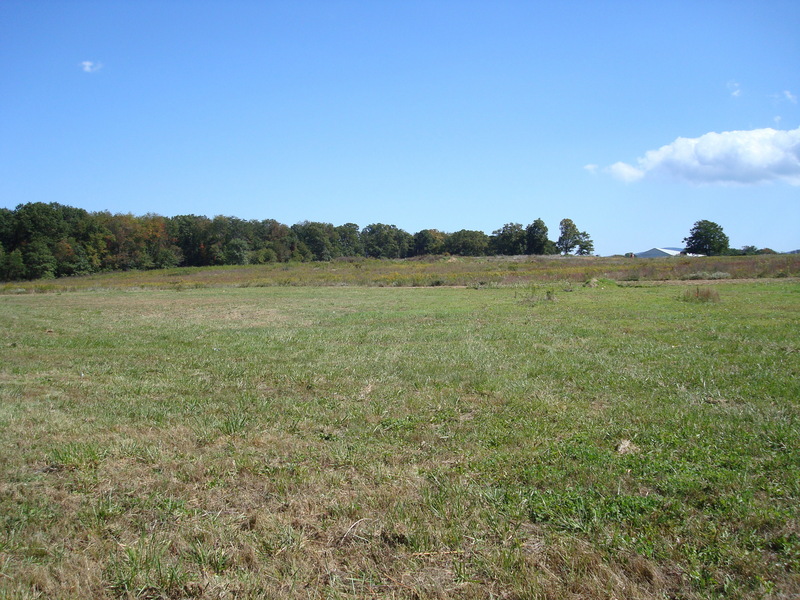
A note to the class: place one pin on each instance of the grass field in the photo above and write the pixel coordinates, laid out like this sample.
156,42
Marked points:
526,441
430,271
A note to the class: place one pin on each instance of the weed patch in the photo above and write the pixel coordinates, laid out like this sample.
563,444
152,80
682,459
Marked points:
700,295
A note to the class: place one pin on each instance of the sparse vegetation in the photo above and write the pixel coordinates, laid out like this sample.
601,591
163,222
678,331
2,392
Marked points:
700,295
427,271
707,275
367,442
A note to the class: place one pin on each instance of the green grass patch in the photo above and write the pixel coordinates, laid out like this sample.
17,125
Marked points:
401,442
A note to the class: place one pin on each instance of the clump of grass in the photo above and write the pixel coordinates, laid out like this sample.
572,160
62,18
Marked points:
700,295
600,282
707,275
145,570
534,294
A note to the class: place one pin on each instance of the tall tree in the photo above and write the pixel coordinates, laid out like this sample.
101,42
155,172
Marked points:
319,238
386,241
349,240
536,241
509,240
13,266
39,261
571,238
429,241
706,237
585,244
468,242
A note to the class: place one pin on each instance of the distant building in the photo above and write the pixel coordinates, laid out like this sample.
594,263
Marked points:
658,253
663,252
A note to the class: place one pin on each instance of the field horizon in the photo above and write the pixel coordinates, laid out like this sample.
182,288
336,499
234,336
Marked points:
431,271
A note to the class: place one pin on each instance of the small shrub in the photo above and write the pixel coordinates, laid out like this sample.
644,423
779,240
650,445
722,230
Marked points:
235,424
696,276
707,275
600,282
700,295
534,294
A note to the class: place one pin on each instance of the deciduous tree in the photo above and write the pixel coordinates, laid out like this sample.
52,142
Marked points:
509,240
467,242
706,237
536,241
429,241
571,238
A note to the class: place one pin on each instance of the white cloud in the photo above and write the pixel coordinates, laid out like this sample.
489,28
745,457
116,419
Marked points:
730,157
591,168
89,66
790,96
735,89
625,172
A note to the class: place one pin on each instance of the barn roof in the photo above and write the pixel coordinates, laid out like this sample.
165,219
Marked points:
658,252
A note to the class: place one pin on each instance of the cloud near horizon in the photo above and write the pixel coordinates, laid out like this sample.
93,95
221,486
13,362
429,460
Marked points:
731,157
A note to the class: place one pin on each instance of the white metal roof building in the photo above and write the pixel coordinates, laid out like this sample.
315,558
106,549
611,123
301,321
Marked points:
658,253
662,252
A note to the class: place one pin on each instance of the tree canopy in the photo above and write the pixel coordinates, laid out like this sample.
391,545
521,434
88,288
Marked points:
52,240
706,237
571,239
536,240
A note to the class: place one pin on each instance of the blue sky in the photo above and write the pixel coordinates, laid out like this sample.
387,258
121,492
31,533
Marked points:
634,119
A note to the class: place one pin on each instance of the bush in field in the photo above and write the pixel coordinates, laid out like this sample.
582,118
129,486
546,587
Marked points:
707,275
700,295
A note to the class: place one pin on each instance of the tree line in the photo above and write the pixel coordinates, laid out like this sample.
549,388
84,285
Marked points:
53,240
707,238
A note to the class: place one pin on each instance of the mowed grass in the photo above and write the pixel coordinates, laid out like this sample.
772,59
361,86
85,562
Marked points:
322,442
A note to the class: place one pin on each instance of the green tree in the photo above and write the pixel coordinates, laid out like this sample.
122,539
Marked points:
191,234
13,266
320,238
7,223
386,241
536,241
467,242
585,244
568,239
572,238
349,240
277,237
706,237
237,252
39,220
429,241
39,260
509,240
